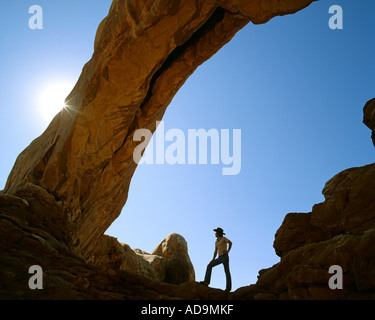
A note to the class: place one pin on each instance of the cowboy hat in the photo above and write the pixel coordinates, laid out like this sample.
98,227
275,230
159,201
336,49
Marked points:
219,230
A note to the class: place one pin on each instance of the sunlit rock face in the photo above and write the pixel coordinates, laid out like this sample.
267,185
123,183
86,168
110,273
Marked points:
169,262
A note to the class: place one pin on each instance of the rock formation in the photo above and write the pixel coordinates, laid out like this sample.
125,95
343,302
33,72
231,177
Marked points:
71,183
67,276
143,53
178,267
339,231
169,262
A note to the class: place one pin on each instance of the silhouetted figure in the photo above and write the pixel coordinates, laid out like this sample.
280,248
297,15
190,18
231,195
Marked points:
221,248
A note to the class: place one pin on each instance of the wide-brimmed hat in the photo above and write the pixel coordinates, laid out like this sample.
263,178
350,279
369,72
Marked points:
219,230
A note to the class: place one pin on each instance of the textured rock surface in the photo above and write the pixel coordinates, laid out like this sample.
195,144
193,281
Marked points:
67,276
178,267
169,262
71,183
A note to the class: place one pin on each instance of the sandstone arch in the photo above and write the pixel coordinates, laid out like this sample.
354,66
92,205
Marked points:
84,158
71,183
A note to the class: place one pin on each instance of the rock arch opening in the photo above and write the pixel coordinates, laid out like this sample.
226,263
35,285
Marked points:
75,177
84,160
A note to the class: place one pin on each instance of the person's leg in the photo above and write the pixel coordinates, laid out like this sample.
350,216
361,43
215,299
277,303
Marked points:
227,273
213,263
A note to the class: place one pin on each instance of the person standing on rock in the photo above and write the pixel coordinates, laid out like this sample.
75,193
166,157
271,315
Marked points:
221,248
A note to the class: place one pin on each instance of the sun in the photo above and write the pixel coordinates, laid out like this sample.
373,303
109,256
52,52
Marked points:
51,99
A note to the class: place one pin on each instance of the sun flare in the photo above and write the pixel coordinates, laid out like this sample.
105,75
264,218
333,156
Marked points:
52,99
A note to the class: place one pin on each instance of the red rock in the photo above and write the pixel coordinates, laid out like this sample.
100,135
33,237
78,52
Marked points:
71,183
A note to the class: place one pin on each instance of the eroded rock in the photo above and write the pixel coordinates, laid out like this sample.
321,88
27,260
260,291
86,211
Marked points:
169,262
179,268
143,53
71,183
338,231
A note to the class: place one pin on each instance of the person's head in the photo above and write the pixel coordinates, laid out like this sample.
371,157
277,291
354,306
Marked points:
219,232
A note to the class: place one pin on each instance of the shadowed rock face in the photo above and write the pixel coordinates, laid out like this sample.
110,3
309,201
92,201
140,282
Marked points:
339,231
144,51
369,117
71,183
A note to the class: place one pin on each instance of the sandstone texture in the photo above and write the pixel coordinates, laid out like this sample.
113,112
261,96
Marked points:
169,262
72,182
178,267
67,276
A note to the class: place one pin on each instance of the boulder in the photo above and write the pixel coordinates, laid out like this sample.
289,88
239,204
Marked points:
169,262
296,231
178,267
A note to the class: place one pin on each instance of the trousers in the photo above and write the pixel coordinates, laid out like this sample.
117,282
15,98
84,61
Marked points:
224,259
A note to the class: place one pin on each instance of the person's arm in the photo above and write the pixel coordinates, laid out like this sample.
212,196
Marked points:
230,245
214,254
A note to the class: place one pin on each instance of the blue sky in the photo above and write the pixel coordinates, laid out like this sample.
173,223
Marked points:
294,87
